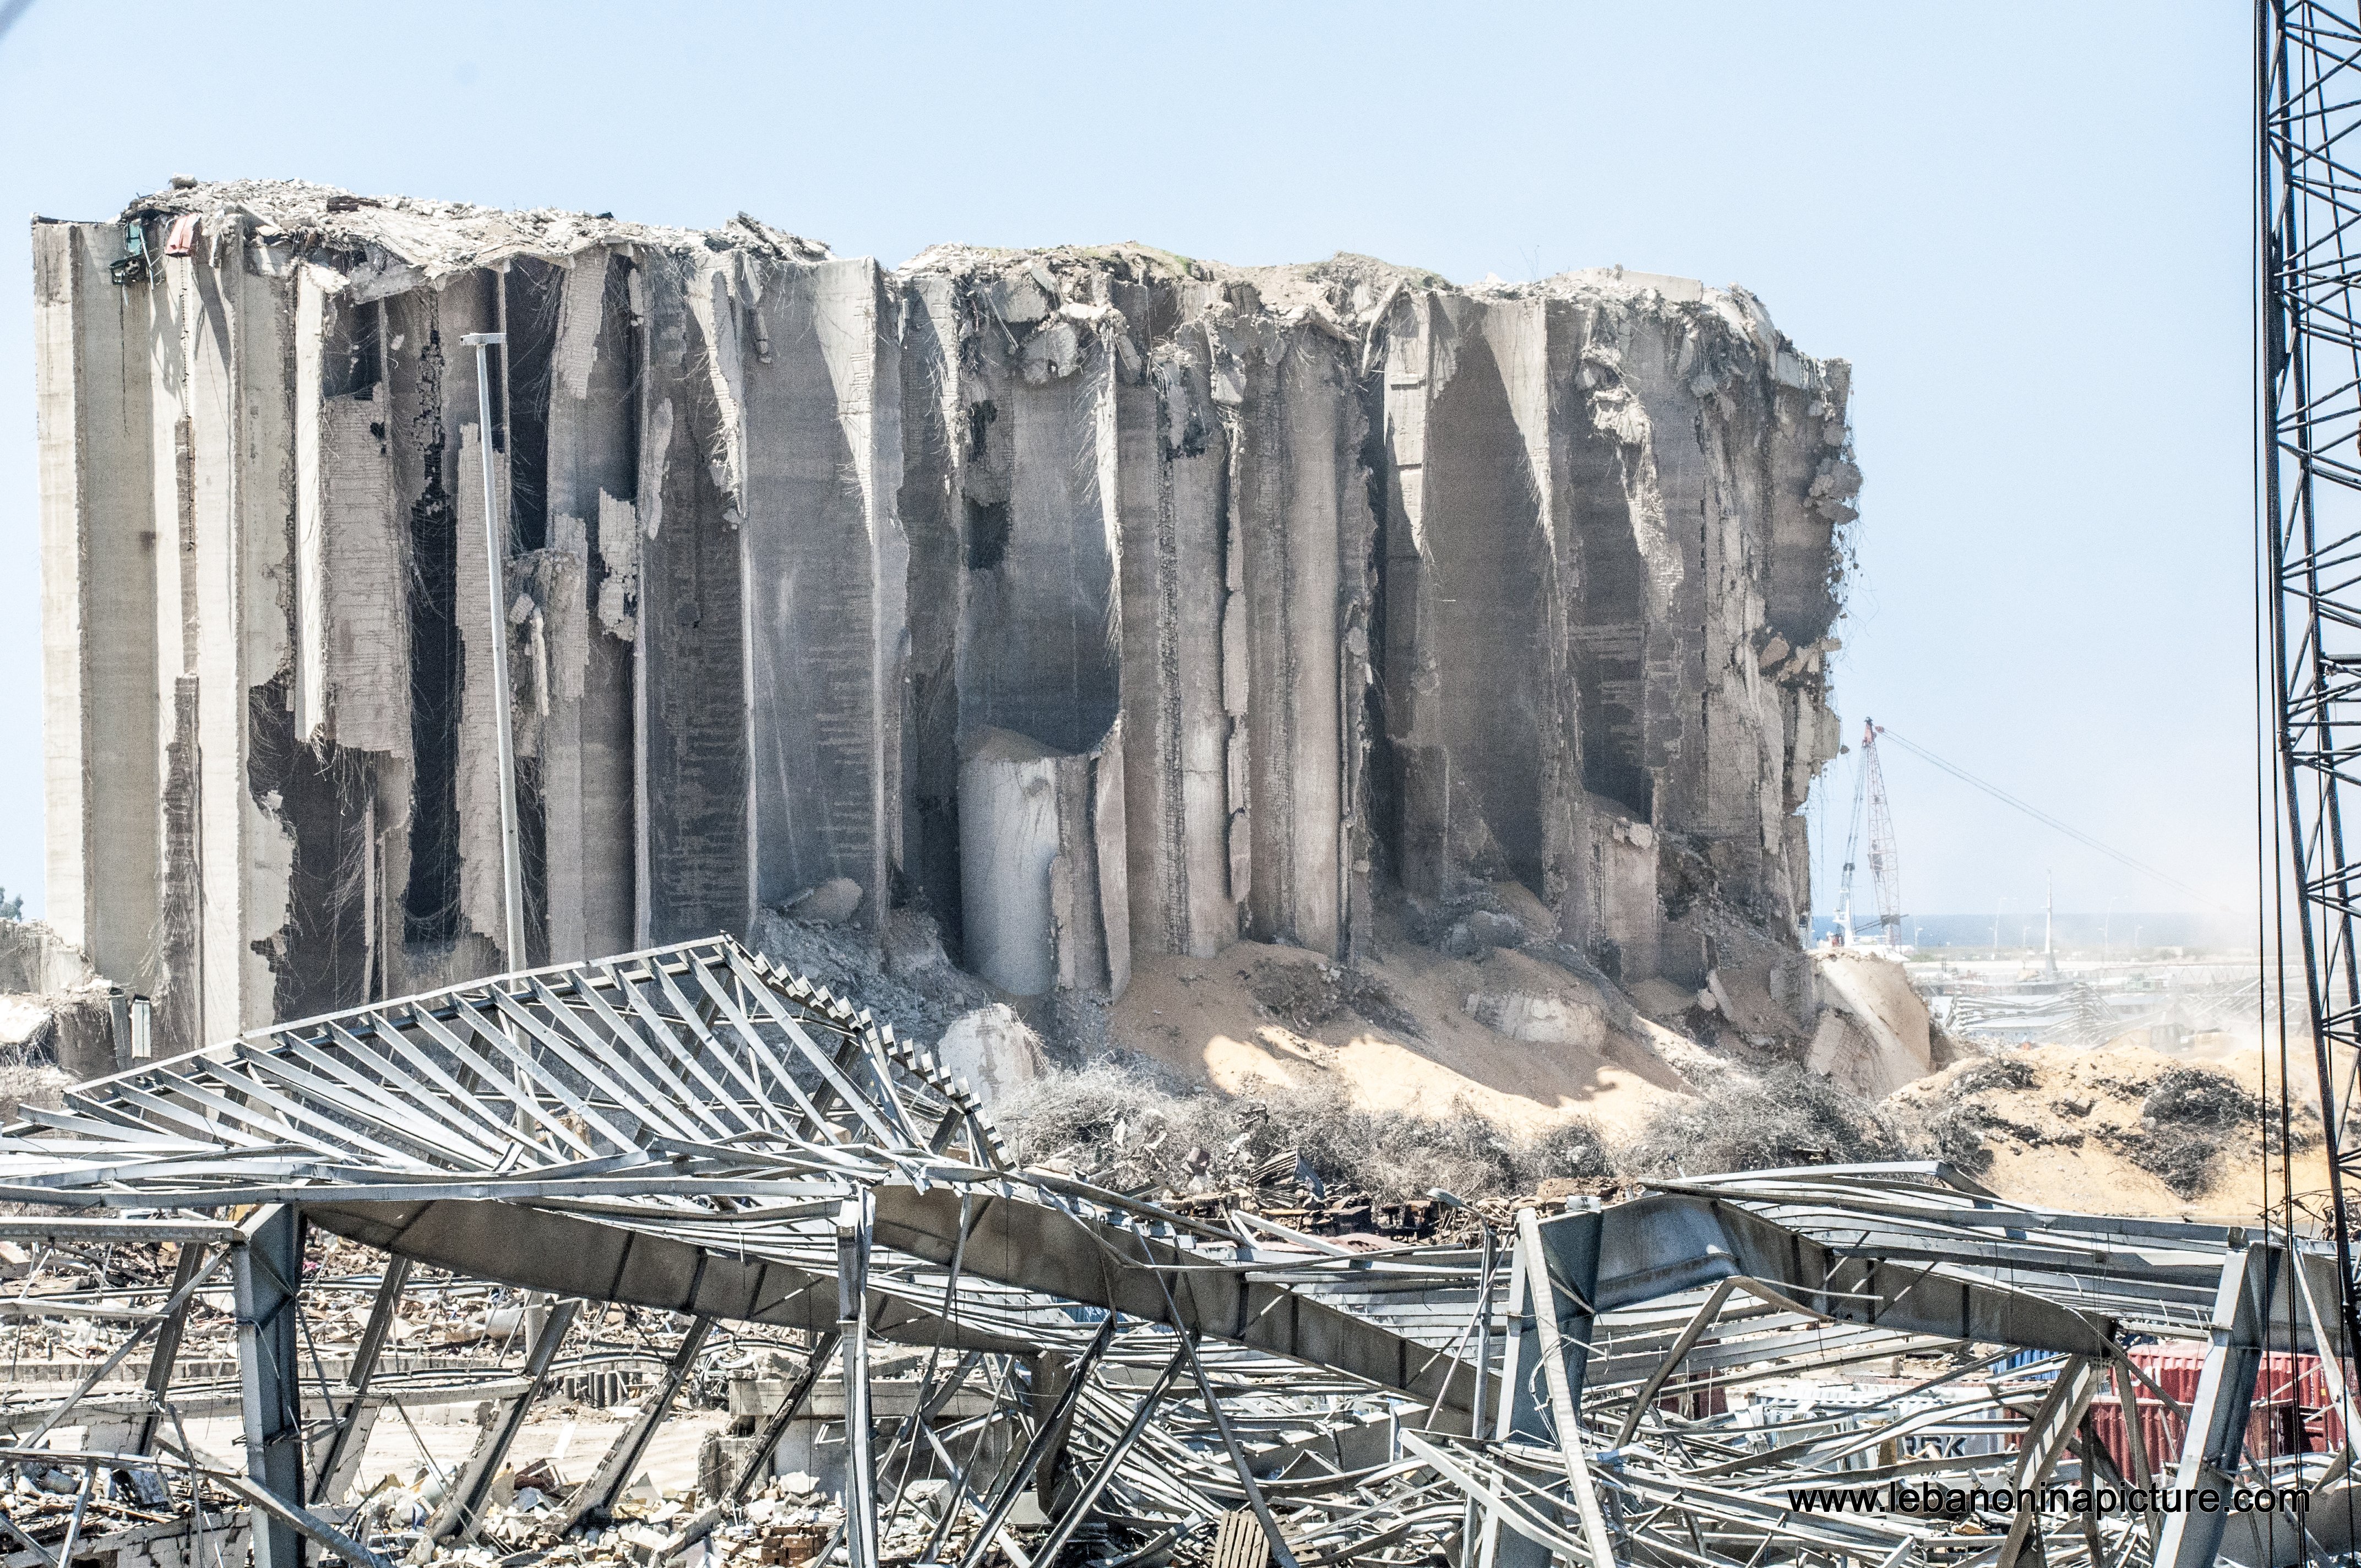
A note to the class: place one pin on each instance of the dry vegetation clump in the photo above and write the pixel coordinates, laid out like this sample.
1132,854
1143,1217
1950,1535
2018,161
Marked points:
2186,1116
1136,1130
1992,1072
1958,1128
1305,996
1957,1133
1785,1116
2197,1097
1134,1127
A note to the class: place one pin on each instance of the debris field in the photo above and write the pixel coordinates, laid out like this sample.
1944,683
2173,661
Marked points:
689,1162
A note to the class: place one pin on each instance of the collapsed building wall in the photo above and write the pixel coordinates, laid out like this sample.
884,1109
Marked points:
1097,602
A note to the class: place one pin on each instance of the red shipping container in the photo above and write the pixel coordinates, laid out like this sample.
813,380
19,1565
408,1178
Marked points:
2292,1410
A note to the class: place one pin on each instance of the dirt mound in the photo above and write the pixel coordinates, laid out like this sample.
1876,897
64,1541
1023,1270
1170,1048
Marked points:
1514,1038
2123,1129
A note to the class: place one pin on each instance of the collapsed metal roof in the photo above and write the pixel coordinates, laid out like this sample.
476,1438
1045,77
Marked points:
690,1130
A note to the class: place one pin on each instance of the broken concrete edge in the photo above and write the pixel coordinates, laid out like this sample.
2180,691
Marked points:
1234,464
56,1008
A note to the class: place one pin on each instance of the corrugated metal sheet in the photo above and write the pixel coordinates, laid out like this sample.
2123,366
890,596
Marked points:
2292,1410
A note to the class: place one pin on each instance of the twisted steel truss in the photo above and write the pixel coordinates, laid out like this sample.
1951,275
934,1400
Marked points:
691,1131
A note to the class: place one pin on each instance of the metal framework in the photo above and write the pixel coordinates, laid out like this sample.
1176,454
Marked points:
1870,808
2308,95
689,1131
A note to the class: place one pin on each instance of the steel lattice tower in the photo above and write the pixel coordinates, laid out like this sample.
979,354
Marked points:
2308,82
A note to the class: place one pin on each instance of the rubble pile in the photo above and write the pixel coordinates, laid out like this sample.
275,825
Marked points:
2124,1119
868,1330
57,1011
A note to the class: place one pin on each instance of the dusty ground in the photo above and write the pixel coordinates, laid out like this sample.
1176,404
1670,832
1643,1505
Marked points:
1416,1031
2061,1140
1254,1014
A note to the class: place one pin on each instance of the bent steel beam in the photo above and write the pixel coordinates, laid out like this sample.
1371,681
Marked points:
767,1442
1669,1363
569,1256
166,1353
2217,1417
1668,1242
352,1419
853,1241
1022,1243
2039,1451
463,1514
268,1270
594,1501
1562,1275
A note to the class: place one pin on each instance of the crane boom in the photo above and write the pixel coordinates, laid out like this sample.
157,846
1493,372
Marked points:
1871,811
2308,108
1884,865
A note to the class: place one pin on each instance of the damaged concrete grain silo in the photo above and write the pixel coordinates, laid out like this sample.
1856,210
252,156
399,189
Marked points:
1098,603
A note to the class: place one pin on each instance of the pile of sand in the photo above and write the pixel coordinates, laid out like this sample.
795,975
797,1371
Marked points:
2074,1129
1401,1033
1530,1045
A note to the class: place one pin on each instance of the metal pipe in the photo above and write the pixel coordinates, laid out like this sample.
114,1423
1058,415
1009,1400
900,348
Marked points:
374,1334
496,577
1045,1435
1087,1498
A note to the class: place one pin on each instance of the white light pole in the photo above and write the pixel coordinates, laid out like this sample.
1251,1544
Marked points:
496,578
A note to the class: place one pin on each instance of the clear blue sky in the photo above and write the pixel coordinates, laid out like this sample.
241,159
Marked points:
2024,224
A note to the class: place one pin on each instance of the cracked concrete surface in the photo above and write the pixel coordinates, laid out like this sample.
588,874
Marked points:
1099,602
